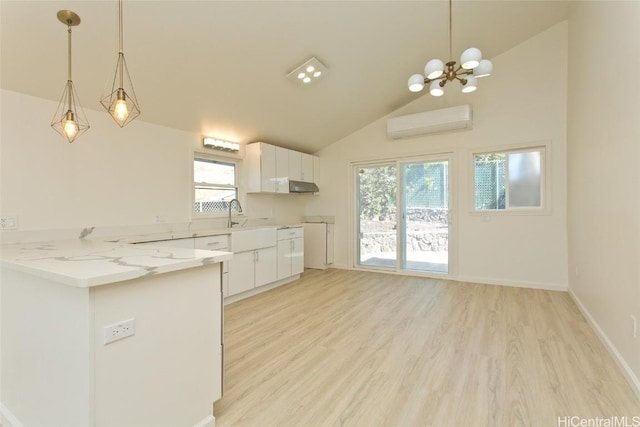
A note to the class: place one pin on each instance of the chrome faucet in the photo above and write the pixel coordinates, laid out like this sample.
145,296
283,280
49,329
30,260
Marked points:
230,223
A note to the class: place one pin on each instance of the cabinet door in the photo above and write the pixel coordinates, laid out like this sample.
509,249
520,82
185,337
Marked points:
284,258
225,283
265,266
306,174
252,167
330,243
316,173
295,165
282,170
267,168
297,256
241,272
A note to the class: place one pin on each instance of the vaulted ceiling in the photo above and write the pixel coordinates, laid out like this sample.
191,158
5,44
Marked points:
218,67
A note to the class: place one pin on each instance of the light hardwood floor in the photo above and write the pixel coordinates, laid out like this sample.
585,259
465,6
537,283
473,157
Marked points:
368,349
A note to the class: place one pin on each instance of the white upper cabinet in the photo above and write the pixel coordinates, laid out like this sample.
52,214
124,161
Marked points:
265,168
282,170
306,168
300,166
295,165
316,170
269,168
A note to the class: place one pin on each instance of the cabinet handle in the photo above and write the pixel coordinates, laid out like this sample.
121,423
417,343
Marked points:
257,257
213,244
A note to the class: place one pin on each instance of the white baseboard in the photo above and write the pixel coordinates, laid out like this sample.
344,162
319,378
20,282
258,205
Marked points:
514,284
471,279
7,419
339,267
631,377
209,421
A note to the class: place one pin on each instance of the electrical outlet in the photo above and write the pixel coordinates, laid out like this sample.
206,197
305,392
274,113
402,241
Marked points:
635,326
160,219
9,223
119,330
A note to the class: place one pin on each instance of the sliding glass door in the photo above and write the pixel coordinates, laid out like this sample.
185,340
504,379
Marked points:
376,218
403,212
425,216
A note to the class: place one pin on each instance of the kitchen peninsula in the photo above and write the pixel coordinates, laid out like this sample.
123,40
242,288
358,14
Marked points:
100,334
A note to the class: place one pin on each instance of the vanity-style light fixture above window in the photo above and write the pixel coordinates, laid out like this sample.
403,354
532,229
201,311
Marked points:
471,67
69,119
219,144
312,70
121,102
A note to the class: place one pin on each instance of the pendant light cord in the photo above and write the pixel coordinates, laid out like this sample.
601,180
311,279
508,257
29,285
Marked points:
120,43
120,25
69,62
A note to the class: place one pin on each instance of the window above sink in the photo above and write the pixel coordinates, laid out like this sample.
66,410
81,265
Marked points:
215,185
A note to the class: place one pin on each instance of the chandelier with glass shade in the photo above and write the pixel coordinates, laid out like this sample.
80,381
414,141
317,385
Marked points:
437,74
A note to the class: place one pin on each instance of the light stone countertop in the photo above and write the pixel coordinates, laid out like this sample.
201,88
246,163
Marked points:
184,234
92,262
86,263
157,237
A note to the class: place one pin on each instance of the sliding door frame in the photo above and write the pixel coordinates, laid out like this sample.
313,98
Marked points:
354,217
353,226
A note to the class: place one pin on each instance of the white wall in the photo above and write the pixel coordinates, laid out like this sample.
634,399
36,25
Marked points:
108,177
603,177
517,105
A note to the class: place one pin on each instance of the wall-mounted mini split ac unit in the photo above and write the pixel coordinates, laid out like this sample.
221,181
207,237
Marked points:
437,121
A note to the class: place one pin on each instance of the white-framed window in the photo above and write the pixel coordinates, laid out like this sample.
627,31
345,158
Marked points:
215,184
509,180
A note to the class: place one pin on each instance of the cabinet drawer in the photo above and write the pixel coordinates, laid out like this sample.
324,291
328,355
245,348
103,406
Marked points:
290,233
213,243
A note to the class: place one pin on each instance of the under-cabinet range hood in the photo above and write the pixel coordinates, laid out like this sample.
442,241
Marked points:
302,187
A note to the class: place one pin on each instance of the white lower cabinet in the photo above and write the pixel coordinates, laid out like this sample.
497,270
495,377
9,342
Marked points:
265,266
297,256
261,256
241,272
251,269
290,252
217,243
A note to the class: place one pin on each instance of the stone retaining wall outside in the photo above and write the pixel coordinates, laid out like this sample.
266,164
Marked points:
428,231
